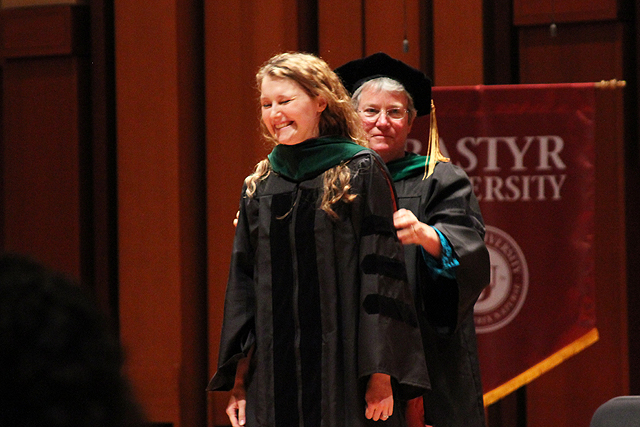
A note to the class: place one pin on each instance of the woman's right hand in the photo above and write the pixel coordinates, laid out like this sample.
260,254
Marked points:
238,400
379,397
236,406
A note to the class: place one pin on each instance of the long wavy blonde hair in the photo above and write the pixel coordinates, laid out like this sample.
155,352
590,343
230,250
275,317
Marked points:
339,118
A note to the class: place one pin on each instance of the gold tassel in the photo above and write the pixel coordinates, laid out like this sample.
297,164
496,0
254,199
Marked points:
434,155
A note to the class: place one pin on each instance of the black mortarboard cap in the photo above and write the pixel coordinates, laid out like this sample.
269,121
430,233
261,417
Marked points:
355,73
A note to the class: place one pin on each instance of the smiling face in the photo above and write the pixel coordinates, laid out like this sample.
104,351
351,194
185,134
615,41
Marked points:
386,136
290,115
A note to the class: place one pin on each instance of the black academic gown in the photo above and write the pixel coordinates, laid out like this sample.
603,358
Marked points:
446,201
325,303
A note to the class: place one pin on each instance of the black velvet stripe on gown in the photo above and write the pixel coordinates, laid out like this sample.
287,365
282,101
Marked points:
284,330
293,312
309,309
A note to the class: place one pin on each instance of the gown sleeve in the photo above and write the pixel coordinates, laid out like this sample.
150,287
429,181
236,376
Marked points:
238,327
452,208
389,337
445,266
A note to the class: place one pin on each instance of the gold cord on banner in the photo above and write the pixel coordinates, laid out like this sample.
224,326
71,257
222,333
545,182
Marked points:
547,364
610,84
434,155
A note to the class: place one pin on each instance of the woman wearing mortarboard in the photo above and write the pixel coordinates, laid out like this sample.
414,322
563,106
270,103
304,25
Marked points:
441,226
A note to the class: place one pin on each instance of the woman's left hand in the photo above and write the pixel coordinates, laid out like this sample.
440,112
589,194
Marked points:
379,397
413,232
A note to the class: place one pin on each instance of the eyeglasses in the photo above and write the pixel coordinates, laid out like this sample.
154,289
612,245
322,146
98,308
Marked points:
372,114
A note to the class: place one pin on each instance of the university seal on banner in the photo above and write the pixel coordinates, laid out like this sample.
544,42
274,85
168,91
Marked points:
501,301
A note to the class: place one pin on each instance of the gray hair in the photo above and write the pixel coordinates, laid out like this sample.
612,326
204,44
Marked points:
388,85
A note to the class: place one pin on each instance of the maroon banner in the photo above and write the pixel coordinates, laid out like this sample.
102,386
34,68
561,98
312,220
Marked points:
529,152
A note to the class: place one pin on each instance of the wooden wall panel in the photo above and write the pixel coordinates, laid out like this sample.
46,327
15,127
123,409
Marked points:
458,41
531,12
29,3
579,53
387,23
353,30
41,161
45,137
162,265
40,31
500,43
569,394
340,31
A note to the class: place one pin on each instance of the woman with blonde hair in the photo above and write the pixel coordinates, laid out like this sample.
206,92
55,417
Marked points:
317,302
